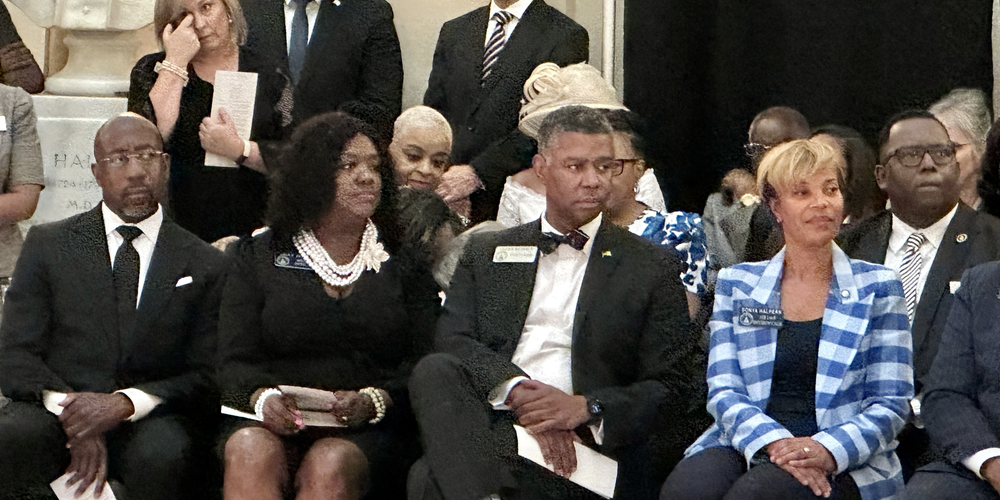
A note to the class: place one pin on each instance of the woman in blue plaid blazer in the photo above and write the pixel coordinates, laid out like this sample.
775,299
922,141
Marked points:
810,365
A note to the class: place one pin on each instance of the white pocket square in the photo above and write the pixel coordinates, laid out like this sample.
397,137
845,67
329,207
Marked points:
184,281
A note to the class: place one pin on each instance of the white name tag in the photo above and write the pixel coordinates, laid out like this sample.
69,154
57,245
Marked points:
3,123
515,254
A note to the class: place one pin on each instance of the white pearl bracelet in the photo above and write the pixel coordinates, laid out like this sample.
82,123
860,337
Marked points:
258,408
376,396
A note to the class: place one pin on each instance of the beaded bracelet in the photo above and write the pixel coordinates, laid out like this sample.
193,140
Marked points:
173,68
258,408
376,396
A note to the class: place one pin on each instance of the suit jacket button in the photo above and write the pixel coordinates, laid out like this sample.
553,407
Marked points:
472,129
845,294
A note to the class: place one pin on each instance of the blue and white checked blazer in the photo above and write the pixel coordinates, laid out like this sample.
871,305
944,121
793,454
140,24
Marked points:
865,371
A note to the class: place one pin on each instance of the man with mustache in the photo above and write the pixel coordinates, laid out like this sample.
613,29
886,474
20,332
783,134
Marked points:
107,338
568,326
928,236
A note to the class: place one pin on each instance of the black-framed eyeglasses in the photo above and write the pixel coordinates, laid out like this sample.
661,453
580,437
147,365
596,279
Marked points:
144,158
911,156
756,149
605,168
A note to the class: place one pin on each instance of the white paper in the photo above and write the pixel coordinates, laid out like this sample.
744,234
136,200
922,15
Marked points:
594,471
235,91
309,402
233,412
64,492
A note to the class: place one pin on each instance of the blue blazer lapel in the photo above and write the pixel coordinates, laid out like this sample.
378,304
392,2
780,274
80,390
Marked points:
756,344
844,322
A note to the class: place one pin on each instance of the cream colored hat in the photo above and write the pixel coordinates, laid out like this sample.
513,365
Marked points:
550,87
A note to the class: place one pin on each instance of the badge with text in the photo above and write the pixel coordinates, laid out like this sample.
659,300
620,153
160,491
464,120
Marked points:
761,316
518,254
291,260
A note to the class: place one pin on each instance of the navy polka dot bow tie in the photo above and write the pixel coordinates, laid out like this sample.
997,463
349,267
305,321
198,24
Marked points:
576,239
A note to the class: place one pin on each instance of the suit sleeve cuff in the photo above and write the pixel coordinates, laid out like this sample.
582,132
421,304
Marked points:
51,400
976,461
498,396
141,401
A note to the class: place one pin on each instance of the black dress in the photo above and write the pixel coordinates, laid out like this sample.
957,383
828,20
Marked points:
277,326
211,202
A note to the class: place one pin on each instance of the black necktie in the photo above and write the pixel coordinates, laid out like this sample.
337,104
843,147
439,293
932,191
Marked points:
125,273
576,239
299,40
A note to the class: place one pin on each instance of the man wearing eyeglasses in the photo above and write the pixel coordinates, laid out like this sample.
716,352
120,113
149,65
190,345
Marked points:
568,326
107,337
928,236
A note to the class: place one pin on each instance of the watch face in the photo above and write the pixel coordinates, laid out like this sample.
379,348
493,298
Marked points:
595,408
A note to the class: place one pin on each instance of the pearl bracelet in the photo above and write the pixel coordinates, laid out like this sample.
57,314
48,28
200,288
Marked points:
173,68
376,396
258,408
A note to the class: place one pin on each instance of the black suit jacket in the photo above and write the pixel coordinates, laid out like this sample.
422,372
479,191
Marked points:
353,62
961,408
869,240
631,336
60,327
481,115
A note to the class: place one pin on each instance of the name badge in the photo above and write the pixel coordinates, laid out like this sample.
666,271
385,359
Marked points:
291,260
3,123
525,254
761,316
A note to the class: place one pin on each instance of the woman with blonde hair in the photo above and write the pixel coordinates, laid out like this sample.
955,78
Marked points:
810,366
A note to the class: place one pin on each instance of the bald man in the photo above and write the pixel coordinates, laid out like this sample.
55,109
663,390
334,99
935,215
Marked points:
739,228
107,337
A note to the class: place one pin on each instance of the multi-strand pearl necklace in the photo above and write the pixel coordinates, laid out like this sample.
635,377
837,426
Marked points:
371,255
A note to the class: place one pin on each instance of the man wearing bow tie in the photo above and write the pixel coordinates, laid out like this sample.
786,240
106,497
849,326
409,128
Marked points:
568,326
108,336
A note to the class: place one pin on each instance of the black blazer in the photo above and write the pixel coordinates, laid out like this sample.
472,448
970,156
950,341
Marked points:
631,334
481,115
353,62
60,329
961,408
869,240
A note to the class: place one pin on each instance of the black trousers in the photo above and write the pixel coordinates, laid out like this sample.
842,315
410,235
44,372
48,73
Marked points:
470,449
152,457
945,481
721,473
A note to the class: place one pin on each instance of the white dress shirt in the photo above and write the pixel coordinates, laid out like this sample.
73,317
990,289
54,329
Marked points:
544,350
516,9
144,244
312,10
897,243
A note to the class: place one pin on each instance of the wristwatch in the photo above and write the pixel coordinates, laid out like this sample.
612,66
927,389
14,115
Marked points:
596,410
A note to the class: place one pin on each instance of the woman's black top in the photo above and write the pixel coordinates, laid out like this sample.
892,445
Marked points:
211,202
792,402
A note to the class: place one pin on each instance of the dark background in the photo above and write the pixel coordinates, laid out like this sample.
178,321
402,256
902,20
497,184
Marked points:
699,70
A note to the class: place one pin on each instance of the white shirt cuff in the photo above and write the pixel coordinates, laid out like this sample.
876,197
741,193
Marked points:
598,431
498,396
976,461
51,400
142,402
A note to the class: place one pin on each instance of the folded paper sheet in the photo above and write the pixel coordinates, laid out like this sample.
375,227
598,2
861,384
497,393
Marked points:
64,492
236,92
594,471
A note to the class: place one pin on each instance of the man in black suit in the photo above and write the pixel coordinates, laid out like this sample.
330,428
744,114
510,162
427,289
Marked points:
316,56
481,62
110,324
582,341
931,229
961,409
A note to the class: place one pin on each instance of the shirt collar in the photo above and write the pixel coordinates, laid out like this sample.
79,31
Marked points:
590,228
516,9
150,226
934,232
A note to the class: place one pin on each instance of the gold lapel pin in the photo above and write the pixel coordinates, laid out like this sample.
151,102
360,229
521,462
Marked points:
961,238
606,253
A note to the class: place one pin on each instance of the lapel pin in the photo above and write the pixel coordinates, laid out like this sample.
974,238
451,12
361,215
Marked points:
961,238
606,253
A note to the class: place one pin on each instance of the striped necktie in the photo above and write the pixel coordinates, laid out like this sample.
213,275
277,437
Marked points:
496,42
909,271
